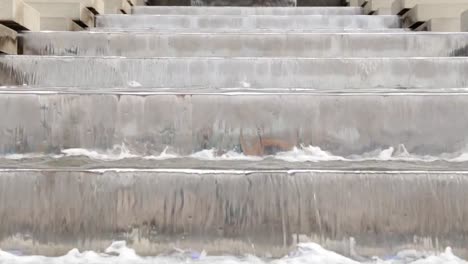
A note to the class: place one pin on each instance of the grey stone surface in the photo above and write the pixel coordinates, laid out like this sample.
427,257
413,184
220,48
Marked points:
141,44
198,72
228,10
8,40
464,21
234,212
251,122
247,22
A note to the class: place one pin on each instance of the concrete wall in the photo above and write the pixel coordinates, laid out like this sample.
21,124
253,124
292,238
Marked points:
150,44
343,124
307,73
48,212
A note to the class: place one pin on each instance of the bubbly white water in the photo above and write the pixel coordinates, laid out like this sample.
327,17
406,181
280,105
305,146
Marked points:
307,253
297,154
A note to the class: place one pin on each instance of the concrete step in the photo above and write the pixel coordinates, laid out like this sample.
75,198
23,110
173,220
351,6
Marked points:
243,11
248,121
217,210
307,73
246,22
244,44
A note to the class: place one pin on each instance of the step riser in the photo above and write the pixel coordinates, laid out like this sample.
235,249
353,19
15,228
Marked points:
244,45
220,212
147,124
246,3
231,72
247,22
240,11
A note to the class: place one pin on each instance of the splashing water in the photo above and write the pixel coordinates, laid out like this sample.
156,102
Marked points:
297,154
118,152
309,253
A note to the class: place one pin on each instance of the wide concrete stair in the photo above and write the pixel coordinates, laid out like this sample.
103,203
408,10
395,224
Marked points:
284,125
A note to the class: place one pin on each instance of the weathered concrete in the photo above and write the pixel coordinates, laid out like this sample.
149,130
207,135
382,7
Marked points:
247,22
378,6
444,25
17,15
307,73
243,11
59,24
232,211
97,6
424,12
113,7
250,122
77,12
403,6
464,21
8,40
140,44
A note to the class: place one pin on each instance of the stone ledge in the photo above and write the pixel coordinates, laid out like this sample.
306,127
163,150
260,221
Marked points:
76,12
400,7
8,40
380,6
97,6
421,13
19,16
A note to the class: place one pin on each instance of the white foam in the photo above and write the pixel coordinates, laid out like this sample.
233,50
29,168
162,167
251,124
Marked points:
162,156
211,154
297,154
307,253
118,152
309,153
